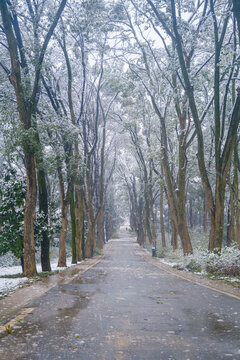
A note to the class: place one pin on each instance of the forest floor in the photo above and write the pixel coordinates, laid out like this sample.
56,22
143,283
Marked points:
125,305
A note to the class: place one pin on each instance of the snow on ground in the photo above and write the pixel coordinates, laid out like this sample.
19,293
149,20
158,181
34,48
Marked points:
224,265
226,278
8,284
172,264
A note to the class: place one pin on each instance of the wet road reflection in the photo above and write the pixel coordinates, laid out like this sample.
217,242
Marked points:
124,309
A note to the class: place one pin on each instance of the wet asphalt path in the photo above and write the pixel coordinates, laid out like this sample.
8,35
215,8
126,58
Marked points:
123,309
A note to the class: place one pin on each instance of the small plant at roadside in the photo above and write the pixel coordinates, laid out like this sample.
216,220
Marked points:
46,274
98,251
9,329
161,253
74,271
176,266
194,266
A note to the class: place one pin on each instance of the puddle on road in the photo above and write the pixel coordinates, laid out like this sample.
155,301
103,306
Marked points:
220,325
11,304
80,303
60,310
55,316
212,323
50,315
89,280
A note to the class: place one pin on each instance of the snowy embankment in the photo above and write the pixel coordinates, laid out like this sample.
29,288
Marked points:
9,284
224,265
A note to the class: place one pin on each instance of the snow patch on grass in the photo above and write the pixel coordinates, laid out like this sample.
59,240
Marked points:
7,285
10,284
224,265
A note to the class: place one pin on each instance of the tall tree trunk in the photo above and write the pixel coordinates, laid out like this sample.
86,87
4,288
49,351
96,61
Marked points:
205,213
147,212
43,208
91,236
133,206
91,239
236,11
181,215
83,236
133,198
22,263
100,229
63,236
73,224
109,226
162,217
140,225
65,198
236,193
79,221
144,225
176,205
29,212
174,236
217,226
229,226
151,210
231,221
190,212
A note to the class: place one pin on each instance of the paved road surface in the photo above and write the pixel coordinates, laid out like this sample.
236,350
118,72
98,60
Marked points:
123,309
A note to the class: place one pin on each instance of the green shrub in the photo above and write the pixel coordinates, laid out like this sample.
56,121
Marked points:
161,253
194,266
97,251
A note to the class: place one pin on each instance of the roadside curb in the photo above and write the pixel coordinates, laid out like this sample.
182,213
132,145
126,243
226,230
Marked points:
219,286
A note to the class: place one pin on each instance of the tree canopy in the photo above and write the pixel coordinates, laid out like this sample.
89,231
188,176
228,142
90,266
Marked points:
116,111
